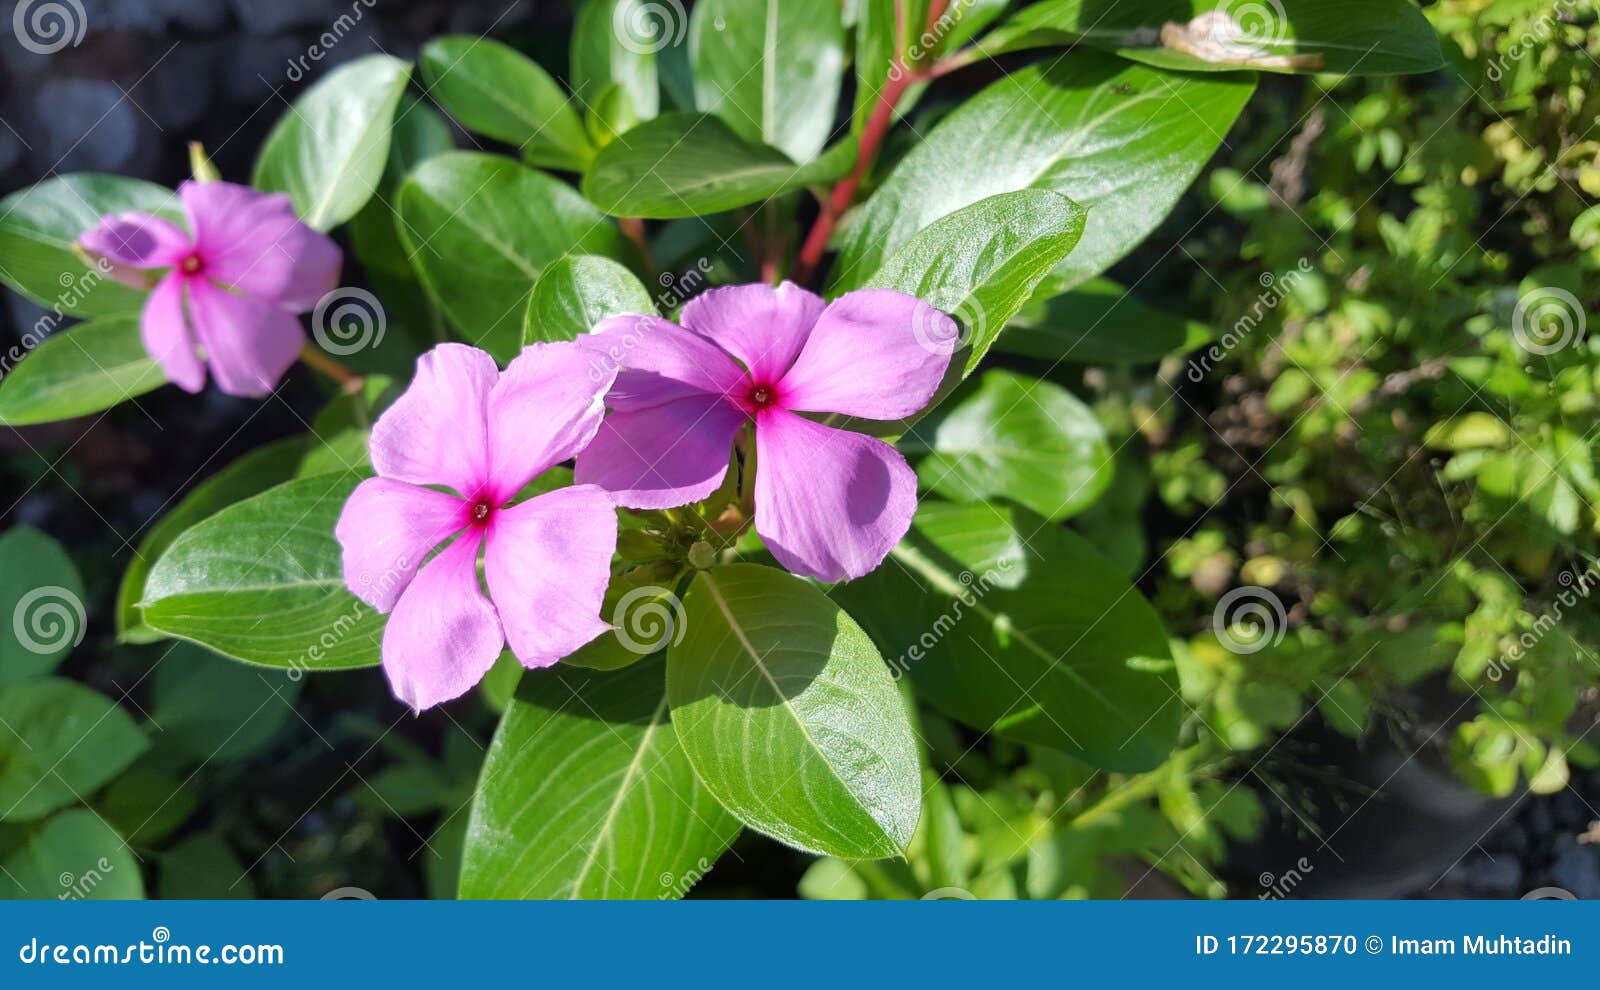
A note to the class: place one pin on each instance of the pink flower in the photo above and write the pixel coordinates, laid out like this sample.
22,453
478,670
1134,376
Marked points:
829,503
237,280
484,434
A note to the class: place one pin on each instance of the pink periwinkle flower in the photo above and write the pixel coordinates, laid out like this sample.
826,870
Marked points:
237,280
483,434
829,503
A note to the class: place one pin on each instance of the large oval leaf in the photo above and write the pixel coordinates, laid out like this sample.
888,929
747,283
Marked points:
498,91
614,42
579,291
73,856
480,230
1026,440
62,741
586,793
1122,140
40,224
41,601
690,164
790,717
80,370
261,581
1354,37
1099,322
770,68
214,710
328,150
1015,626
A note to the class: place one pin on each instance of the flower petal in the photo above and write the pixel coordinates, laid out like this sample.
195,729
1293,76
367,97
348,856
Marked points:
249,343
657,458
443,635
548,562
544,409
136,240
434,434
254,242
386,531
164,331
830,504
874,353
763,326
657,361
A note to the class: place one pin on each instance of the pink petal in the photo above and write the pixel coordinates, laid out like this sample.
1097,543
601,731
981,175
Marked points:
253,242
830,504
544,409
874,353
656,361
548,562
443,635
434,434
136,240
386,531
672,454
763,326
164,331
249,343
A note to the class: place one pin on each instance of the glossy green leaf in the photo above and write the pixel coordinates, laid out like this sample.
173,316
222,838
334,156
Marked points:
480,230
879,48
980,264
687,164
1123,141
41,602
251,474
498,91
789,716
614,42
586,793
1099,322
40,224
63,741
1022,439
73,856
579,291
771,69
202,867
261,581
146,805
1355,37
1013,625
81,370
216,710
329,149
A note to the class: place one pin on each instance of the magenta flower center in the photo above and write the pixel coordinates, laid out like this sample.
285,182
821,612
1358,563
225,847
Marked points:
481,510
191,264
760,397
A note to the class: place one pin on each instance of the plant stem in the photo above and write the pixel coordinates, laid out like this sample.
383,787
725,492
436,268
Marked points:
633,229
347,380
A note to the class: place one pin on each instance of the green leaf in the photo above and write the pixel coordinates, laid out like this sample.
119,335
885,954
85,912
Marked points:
1029,441
202,867
77,371
614,42
790,718
1354,37
687,165
579,291
328,151
480,230
980,264
40,224
216,710
41,603
261,581
878,49
146,805
498,91
1027,632
251,474
62,742
1099,322
586,793
1124,141
73,856
770,68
